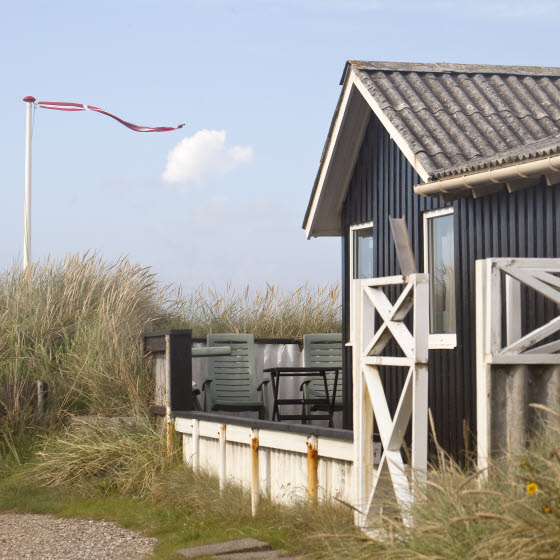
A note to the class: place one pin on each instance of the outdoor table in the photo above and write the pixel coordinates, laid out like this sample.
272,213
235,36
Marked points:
277,373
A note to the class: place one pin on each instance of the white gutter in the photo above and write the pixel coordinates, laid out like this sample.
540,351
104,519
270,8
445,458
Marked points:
508,174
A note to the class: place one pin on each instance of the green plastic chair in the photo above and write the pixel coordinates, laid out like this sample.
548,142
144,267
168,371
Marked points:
321,350
232,380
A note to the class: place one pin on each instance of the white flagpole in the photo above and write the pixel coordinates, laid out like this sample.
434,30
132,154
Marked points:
27,210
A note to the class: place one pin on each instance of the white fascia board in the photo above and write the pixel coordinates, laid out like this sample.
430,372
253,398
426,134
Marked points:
393,132
328,157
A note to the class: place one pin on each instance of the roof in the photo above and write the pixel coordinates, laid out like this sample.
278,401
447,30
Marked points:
448,119
452,115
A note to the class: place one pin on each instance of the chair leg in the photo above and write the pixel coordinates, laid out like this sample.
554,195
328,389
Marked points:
264,412
305,411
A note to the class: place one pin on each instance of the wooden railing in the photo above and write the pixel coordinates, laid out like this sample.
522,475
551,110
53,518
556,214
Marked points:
369,299
499,303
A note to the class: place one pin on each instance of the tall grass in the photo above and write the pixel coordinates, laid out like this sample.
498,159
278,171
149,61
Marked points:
268,314
101,457
77,325
510,511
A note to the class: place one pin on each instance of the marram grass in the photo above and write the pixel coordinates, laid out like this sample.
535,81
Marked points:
272,313
100,456
77,323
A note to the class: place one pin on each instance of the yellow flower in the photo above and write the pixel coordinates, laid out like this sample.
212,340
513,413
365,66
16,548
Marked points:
532,487
547,509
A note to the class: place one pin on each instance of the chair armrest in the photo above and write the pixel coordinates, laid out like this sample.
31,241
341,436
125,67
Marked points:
265,382
304,383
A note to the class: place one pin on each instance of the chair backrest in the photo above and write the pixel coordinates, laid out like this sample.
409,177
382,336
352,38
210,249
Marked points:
323,350
234,377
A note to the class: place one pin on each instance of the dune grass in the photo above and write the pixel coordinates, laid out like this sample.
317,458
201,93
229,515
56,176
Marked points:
272,313
77,324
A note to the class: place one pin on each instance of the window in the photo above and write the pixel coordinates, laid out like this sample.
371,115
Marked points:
362,251
439,263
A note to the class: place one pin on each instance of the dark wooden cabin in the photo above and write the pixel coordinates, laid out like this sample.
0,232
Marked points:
470,157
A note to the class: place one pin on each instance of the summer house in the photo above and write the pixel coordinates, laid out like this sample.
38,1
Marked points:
469,155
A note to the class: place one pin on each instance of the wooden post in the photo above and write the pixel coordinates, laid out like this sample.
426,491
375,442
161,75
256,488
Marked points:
195,445
222,444
312,470
255,484
420,378
176,345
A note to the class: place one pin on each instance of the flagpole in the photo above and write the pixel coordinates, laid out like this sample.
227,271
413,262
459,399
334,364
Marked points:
27,207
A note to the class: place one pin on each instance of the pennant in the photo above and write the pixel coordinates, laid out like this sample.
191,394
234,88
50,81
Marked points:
62,106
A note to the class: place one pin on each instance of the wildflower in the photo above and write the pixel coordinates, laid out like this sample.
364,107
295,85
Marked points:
547,509
532,487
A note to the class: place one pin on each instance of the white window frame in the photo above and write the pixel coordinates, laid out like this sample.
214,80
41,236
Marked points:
353,229
351,279
443,341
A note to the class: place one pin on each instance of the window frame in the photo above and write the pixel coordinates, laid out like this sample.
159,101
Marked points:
437,341
353,229
351,249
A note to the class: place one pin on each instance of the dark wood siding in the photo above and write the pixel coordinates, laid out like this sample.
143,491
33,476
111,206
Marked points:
522,224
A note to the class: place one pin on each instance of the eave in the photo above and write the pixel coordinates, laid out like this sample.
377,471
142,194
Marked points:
512,177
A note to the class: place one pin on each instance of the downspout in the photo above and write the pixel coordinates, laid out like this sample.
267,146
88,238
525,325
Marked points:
509,174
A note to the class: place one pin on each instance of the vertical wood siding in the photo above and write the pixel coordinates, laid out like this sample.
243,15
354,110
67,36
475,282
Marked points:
522,224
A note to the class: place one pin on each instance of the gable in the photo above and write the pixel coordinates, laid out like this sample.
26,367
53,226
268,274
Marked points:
449,121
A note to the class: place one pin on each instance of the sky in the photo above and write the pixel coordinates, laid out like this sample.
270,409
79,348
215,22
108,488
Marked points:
221,200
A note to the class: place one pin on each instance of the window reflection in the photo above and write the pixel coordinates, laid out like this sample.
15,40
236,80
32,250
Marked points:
442,274
363,253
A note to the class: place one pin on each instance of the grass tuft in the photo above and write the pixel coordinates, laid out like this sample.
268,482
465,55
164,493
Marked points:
102,456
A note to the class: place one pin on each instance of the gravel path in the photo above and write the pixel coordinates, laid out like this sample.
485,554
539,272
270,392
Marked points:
46,537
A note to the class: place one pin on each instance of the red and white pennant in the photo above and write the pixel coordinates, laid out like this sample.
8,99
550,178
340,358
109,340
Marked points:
63,106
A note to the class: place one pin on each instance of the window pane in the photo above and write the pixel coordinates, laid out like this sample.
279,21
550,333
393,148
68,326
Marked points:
442,274
363,253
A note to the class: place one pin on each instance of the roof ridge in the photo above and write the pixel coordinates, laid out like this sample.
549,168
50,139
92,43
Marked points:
447,67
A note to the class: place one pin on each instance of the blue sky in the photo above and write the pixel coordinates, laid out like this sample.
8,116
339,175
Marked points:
259,76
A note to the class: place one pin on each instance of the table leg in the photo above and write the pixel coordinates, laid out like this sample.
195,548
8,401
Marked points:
275,383
329,405
335,388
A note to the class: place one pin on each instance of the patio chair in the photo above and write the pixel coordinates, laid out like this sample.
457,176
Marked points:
232,380
321,350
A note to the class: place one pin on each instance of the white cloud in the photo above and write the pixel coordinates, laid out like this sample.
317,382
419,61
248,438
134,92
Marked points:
203,154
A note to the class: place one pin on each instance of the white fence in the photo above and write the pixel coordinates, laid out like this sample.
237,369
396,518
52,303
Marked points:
514,369
283,465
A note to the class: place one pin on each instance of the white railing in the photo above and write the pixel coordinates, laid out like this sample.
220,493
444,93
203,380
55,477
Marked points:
281,465
496,348
368,299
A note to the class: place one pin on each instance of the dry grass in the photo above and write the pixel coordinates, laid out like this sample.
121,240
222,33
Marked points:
268,314
76,325
463,515
97,456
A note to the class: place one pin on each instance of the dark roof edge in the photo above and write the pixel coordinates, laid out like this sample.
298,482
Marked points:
443,67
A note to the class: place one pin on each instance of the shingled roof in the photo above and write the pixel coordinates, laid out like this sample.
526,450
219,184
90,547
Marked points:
451,121
457,118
